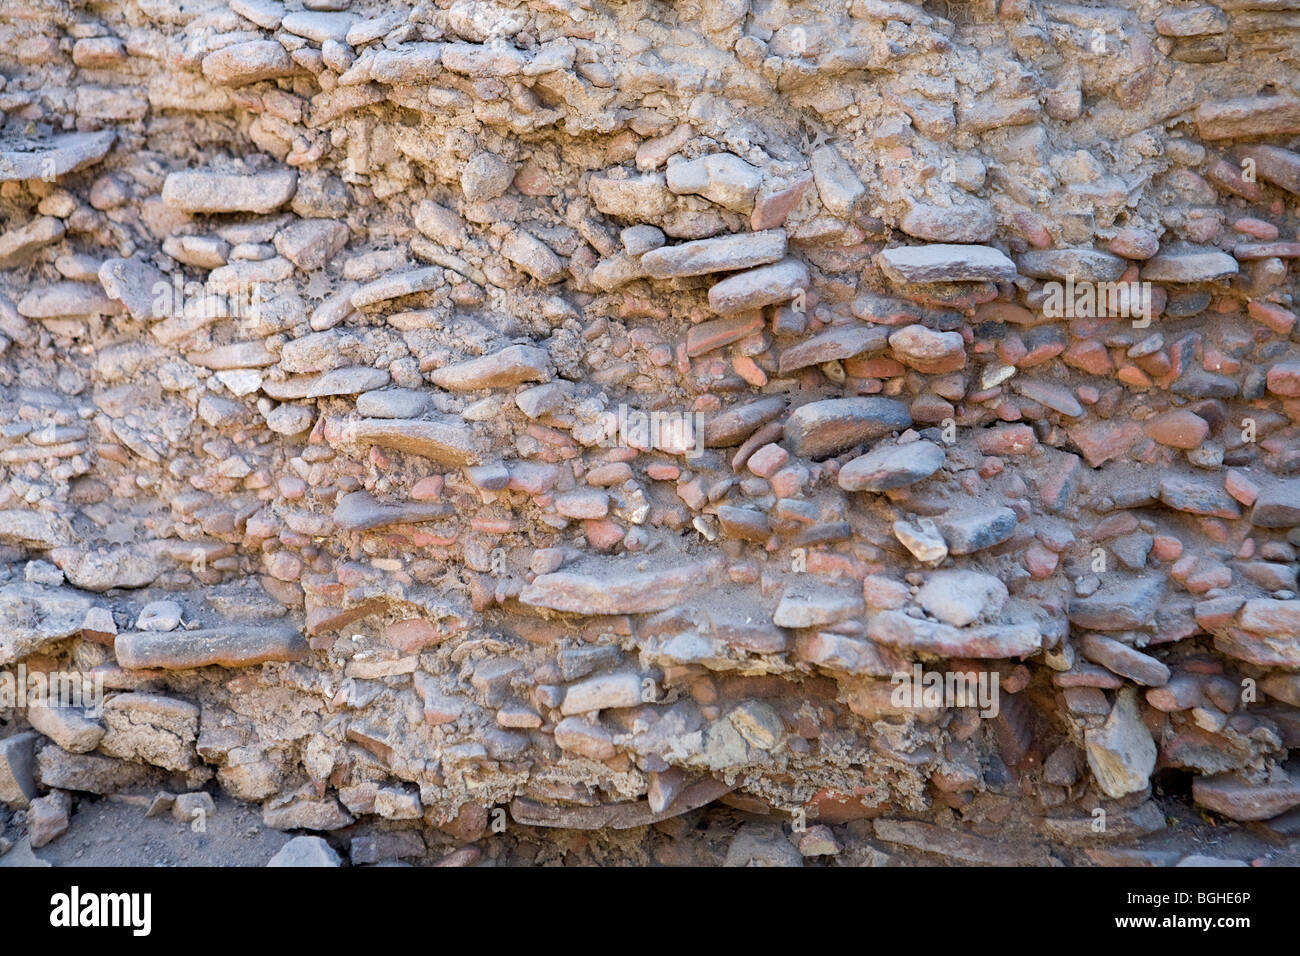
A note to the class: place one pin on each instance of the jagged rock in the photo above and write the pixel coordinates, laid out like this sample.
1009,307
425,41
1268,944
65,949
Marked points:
1119,605
757,845
722,178
960,598
837,183
148,727
1277,505
975,529
1121,753
305,851
17,782
48,817
922,538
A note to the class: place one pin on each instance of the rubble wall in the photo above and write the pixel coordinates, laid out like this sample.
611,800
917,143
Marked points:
864,411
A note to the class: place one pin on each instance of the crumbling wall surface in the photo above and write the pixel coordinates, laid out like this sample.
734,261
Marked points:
596,411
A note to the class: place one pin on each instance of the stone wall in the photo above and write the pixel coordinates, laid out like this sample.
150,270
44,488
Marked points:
572,414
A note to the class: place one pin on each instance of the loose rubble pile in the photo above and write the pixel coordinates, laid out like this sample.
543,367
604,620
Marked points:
474,415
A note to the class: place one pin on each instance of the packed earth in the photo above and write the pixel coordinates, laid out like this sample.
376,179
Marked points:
718,432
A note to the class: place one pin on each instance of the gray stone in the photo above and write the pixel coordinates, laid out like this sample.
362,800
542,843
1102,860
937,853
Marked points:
803,606
821,429
841,342
1189,264
17,782
1082,265
159,616
1122,603
974,529
891,466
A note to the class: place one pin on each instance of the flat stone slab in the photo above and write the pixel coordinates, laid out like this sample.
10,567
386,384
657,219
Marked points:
221,646
615,816
821,429
208,191
1189,265
1276,165
397,285
837,344
438,441
1249,117
719,254
982,641
1238,799
360,512
756,288
617,589
955,845
55,157
1126,661
510,366
1080,264
945,262
891,466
